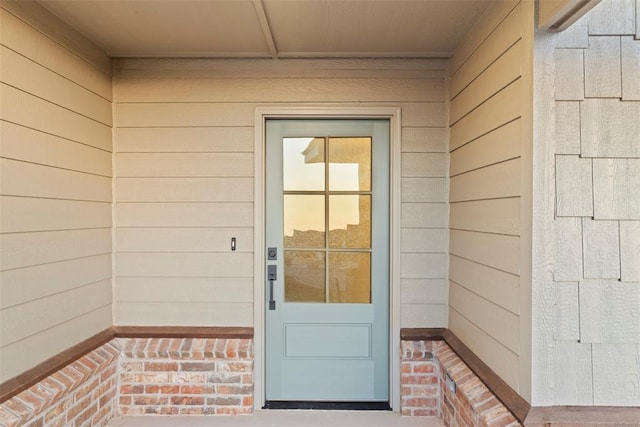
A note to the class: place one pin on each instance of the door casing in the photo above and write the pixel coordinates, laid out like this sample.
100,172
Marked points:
293,112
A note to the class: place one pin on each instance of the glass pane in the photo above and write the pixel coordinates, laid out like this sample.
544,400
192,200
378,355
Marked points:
350,221
303,221
303,164
350,277
350,164
304,276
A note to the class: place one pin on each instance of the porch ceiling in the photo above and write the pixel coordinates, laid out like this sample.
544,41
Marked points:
271,28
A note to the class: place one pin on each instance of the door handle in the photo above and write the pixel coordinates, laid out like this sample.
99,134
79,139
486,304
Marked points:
272,275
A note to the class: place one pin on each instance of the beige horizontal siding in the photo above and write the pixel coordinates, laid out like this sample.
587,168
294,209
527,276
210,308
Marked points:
490,85
185,177
55,197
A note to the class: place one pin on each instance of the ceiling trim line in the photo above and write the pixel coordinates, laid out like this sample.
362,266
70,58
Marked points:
373,55
266,29
216,55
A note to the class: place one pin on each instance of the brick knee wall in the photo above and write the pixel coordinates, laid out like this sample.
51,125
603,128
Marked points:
419,379
424,366
186,376
80,394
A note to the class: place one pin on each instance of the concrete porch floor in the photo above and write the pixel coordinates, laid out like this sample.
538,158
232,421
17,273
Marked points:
289,418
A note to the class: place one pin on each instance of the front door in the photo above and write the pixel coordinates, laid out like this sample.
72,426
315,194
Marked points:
327,263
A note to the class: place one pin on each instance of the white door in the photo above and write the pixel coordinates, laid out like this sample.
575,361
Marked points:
327,233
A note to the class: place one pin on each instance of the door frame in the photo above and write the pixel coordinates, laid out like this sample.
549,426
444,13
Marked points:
393,114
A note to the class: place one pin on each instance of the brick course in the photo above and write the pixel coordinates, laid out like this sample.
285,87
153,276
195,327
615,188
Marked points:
173,376
80,394
148,376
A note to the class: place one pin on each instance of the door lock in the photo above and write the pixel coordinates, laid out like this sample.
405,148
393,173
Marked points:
272,254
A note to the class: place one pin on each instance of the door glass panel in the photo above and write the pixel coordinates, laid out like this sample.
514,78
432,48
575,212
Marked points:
303,164
350,277
350,221
350,164
304,276
304,221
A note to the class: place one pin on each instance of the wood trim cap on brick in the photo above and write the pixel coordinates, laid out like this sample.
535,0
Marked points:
515,403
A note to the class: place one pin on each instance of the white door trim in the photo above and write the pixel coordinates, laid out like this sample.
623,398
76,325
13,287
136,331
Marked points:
263,113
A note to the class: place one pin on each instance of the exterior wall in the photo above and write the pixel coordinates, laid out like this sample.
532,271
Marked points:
83,393
186,376
184,179
490,194
587,335
55,197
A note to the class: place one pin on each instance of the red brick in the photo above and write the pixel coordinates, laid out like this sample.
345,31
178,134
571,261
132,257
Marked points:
162,389
139,349
131,389
34,402
192,389
77,408
135,366
86,389
242,410
132,410
146,400
422,402
405,390
247,401
198,366
191,410
223,401
425,391
209,348
87,414
174,348
419,379
38,422
220,349
18,408
108,373
224,377
245,349
187,400
424,368
170,410
163,347
234,389
8,418
152,347
424,412
160,366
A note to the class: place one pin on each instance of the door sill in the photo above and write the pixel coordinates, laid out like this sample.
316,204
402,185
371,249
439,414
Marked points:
324,405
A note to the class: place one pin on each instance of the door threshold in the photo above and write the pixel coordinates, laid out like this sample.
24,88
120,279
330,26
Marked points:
327,405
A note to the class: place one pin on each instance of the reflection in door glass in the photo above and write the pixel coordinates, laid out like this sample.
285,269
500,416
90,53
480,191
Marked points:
303,164
344,209
350,277
350,221
304,273
304,221
350,164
